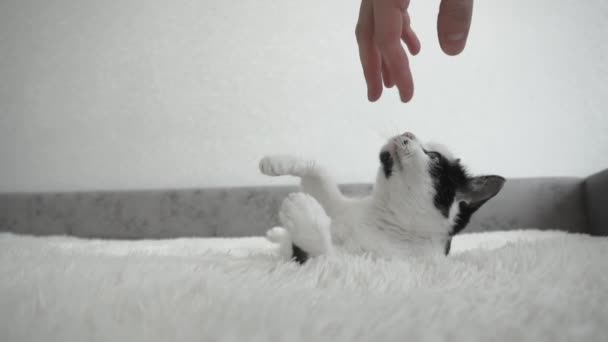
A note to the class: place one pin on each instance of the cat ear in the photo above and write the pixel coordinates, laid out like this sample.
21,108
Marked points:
481,189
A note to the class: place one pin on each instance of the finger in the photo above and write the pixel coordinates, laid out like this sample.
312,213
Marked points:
453,24
388,28
408,35
386,76
411,41
369,54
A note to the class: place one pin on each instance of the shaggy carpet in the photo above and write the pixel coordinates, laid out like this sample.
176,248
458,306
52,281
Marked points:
501,286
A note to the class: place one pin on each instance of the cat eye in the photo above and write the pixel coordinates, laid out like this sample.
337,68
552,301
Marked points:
433,155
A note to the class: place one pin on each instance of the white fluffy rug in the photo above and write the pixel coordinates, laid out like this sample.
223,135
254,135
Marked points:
507,286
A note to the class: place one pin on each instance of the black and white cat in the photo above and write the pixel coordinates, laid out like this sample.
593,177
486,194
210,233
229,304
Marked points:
421,198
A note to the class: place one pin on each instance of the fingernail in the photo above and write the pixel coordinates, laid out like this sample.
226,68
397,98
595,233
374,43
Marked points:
456,36
374,95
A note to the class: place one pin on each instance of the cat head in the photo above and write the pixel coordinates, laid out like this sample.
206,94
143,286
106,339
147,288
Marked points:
428,180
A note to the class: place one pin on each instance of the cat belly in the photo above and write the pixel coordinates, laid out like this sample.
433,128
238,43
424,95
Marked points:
369,240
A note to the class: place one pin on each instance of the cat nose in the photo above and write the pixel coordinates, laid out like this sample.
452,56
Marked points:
409,135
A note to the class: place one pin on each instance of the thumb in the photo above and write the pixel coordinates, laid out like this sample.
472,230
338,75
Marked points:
453,25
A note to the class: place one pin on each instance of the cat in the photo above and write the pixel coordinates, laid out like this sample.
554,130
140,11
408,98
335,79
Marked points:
422,197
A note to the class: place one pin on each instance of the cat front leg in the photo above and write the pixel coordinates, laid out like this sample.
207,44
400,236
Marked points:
315,180
308,226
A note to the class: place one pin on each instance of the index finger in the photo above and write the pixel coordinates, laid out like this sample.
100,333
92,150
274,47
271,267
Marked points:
388,15
453,24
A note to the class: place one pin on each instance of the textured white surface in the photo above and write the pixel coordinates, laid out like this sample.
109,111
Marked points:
138,94
502,286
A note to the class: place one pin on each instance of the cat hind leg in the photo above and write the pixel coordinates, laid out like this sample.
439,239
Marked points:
307,224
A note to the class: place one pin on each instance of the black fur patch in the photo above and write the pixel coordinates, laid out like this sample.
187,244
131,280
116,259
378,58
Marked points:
464,215
299,255
387,163
448,244
448,177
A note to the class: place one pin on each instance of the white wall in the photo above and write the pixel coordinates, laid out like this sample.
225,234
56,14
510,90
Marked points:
140,94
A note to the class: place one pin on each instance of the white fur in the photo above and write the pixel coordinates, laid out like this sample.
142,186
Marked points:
397,220
301,210
521,286
281,237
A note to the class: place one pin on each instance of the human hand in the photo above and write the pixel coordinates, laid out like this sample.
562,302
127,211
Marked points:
381,26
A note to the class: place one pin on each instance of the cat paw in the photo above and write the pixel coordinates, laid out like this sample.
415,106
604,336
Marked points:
281,165
281,237
307,223
278,235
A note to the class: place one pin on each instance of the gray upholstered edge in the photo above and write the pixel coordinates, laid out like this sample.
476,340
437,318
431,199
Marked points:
570,204
596,198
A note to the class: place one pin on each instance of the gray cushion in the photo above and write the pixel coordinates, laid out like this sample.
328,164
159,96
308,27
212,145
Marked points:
596,191
120,215
545,203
